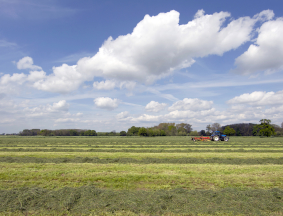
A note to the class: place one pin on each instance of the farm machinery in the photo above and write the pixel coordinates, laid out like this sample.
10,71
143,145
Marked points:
215,136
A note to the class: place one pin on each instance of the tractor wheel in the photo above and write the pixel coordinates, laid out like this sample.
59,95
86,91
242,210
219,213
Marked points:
216,138
226,139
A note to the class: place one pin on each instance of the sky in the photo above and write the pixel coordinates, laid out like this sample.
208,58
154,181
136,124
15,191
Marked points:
109,65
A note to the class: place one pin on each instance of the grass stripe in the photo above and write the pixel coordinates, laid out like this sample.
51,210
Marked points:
110,155
141,176
187,160
90,200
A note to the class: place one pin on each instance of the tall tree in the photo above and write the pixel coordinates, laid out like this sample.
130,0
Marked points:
142,131
264,128
184,127
216,127
267,121
208,129
229,131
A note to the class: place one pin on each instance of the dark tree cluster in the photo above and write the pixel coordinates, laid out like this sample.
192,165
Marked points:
163,129
242,129
62,132
264,128
32,132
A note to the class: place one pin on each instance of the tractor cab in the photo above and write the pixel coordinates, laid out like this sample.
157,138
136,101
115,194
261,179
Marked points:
217,135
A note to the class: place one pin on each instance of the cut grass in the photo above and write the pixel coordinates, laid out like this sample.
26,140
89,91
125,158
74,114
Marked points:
141,176
89,200
111,155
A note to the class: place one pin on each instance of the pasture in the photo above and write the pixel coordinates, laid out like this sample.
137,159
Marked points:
140,176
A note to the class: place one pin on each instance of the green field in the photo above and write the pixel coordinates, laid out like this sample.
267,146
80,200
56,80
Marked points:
140,176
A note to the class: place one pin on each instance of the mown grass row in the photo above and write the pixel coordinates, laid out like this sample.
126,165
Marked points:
278,147
138,150
185,160
111,155
134,175
141,176
88,200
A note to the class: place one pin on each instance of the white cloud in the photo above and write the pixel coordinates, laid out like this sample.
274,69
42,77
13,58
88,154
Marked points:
147,118
4,43
158,45
36,75
67,120
258,98
27,63
106,103
59,107
122,115
154,106
104,85
192,104
16,78
64,79
266,53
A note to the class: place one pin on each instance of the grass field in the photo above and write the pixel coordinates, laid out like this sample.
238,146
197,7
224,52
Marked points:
143,176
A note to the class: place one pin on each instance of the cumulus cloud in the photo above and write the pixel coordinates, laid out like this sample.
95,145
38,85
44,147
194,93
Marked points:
64,79
104,85
61,106
27,63
192,104
154,106
36,75
106,103
122,115
258,98
158,45
67,120
16,78
266,53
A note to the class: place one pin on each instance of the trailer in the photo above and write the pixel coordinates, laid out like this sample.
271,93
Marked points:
215,136
201,138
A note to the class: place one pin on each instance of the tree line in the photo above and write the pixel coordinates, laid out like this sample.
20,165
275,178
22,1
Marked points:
62,132
265,128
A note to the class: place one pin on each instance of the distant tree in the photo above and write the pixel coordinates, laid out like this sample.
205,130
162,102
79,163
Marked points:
194,133
282,125
265,121
162,133
182,133
90,133
73,133
229,131
184,127
142,132
93,133
172,130
238,132
216,127
202,133
264,128
112,133
208,130
133,131
123,133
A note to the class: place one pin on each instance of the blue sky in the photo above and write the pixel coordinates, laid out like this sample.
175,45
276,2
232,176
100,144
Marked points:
109,65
